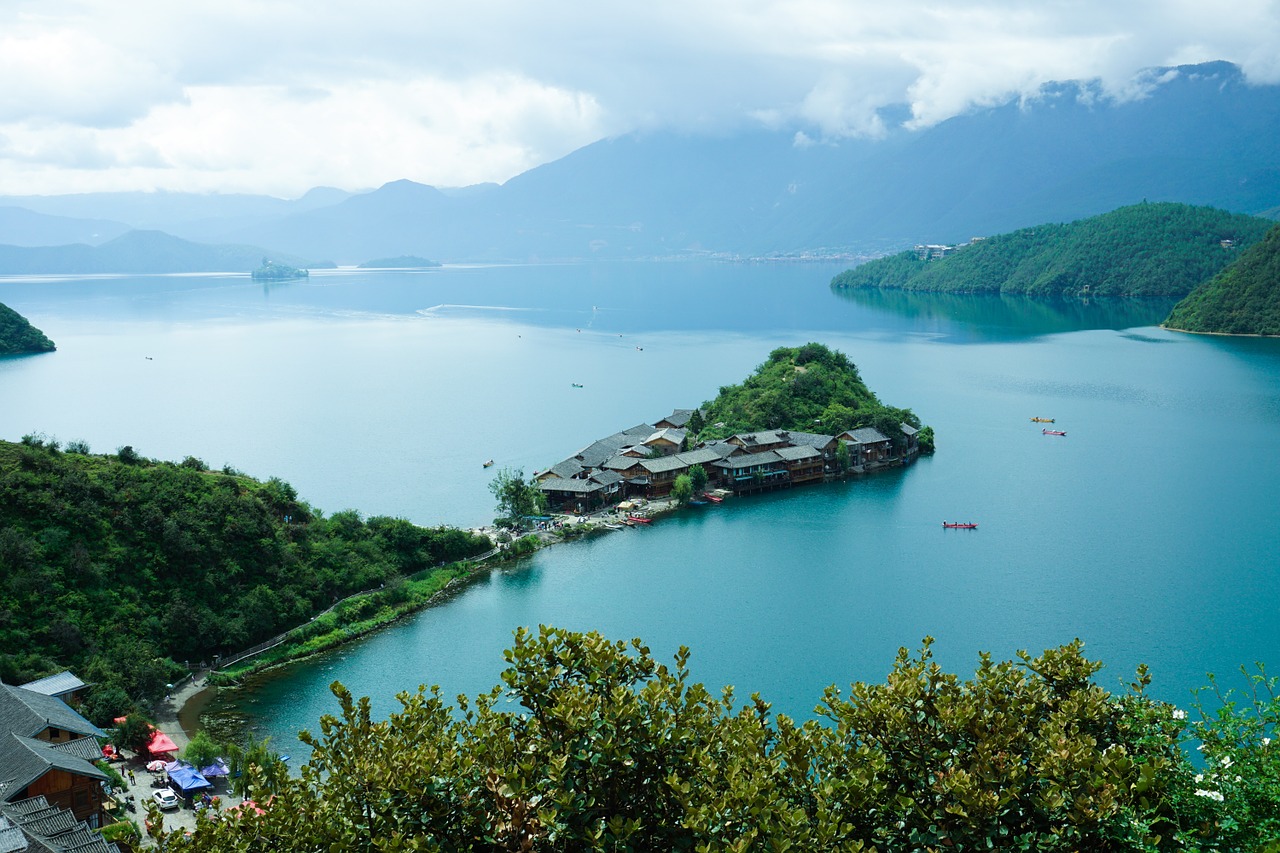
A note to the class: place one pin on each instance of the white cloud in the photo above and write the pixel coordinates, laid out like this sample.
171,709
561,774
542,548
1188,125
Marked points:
280,96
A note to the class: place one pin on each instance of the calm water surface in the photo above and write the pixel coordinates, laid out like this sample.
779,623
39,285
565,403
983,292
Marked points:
1150,530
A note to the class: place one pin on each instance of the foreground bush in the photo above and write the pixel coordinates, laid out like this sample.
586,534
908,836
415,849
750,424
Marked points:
593,745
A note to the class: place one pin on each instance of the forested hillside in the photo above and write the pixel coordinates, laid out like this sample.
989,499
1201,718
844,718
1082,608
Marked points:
810,388
118,566
18,336
1144,250
1243,299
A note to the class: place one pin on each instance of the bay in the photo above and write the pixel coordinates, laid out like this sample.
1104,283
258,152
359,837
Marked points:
1149,530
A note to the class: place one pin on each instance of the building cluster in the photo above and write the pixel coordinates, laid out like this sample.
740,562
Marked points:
934,251
645,460
52,797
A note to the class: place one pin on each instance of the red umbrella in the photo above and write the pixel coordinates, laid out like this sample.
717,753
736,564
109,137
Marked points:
161,742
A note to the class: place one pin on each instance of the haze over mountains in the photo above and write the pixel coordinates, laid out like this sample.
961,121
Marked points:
1201,135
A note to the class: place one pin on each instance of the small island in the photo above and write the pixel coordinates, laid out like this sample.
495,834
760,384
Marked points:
402,262
1148,250
272,271
18,336
1243,299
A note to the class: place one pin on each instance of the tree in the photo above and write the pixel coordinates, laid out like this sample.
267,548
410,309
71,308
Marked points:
133,734
516,498
698,478
682,489
843,460
202,750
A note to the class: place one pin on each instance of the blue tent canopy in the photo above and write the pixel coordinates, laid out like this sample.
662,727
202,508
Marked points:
188,779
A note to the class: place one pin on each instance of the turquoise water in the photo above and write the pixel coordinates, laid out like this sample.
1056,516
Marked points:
1150,530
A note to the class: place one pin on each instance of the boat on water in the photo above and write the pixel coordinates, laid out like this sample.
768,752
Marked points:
696,502
1042,420
715,499
1054,431
639,519
488,464
576,384
960,525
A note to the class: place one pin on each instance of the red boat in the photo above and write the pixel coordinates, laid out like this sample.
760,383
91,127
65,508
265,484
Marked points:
960,525
1054,431
639,519
714,499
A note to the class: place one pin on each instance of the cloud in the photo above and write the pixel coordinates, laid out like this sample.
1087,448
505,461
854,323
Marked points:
244,95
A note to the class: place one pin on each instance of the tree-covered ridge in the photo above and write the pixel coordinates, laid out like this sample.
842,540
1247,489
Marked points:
592,745
1243,299
118,566
1144,250
18,336
809,388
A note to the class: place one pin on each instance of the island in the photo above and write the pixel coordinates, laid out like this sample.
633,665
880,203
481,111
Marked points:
1243,299
804,416
18,336
407,262
272,271
1143,250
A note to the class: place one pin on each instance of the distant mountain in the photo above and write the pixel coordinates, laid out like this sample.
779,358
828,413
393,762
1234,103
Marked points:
1144,250
399,262
1202,136
1243,299
18,336
22,227
136,252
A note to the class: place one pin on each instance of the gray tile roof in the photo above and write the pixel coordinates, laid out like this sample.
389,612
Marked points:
82,747
28,713
679,417
606,478
767,436
24,760
812,439
867,435
595,454
577,487
566,469
53,685
701,456
53,829
621,463
796,454
750,460
908,429
675,436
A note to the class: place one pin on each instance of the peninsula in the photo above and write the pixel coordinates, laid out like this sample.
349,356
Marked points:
18,336
1243,299
1144,250
753,437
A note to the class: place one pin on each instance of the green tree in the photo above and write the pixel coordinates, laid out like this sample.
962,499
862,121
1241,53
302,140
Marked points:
202,750
517,499
698,478
843,460
133,734
682,489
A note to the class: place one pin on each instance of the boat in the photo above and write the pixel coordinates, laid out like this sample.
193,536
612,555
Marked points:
960,525
639,519
488,464
1054,431
1042,420
697,502
715,499
577,384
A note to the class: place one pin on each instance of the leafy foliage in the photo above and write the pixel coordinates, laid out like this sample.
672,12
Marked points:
1145,250
120,567
593,745
810,388
18,336
517,498
1243,299
682,489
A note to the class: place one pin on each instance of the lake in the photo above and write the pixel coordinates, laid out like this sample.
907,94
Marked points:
1150,530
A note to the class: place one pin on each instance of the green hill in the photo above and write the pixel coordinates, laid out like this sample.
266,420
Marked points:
1243,299
1144,250
118,566
17,336
810,388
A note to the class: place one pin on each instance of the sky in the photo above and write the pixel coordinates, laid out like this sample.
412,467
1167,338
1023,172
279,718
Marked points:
278,96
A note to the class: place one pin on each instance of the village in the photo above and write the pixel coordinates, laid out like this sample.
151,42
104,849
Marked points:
643,462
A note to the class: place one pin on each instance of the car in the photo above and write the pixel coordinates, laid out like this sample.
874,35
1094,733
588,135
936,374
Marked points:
166,799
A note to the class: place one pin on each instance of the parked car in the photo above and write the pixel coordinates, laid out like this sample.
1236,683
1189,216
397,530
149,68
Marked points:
166,799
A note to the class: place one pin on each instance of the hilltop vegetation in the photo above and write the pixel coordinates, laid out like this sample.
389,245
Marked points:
810,388
119,566
1144,250
18,336
606,749
1243,299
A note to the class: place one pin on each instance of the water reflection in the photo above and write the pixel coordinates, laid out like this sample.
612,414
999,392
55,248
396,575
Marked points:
985,317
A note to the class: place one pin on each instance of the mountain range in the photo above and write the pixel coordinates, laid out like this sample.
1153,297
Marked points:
1199,134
